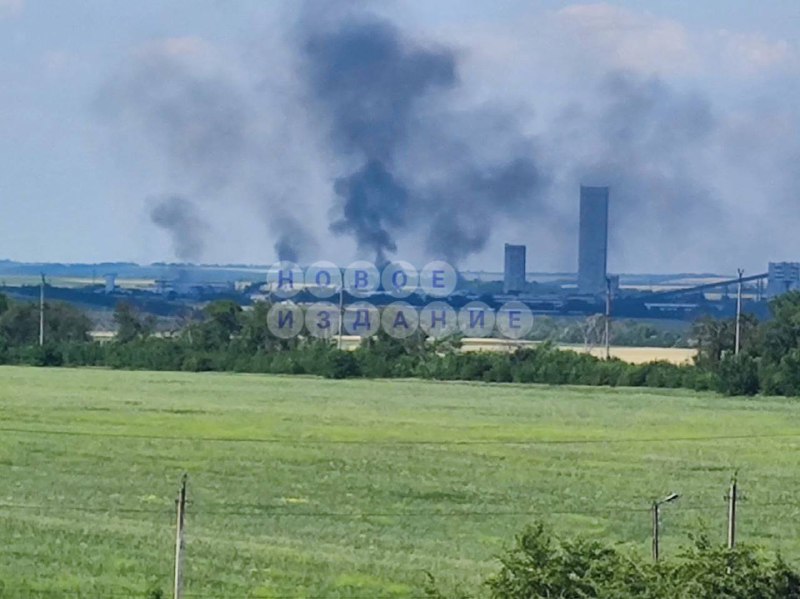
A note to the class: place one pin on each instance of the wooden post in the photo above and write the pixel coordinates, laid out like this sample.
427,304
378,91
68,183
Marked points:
655,531
41,312
738,335
179,540
732,514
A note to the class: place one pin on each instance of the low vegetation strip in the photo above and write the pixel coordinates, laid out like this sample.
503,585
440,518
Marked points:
736,359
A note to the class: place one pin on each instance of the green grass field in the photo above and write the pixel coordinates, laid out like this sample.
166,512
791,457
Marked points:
301,487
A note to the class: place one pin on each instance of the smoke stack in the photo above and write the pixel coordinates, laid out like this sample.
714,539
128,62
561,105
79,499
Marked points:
514,269
593,240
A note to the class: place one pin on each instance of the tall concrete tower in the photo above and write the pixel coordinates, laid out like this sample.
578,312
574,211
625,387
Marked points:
514,268
593,242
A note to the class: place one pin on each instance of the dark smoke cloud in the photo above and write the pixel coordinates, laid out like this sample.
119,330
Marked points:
372,202
205,127
293,243
414,165
367,81
474,198
178,216
383,97
381,93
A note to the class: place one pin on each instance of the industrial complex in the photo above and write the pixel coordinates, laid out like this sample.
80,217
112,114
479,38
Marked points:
636,297
166,289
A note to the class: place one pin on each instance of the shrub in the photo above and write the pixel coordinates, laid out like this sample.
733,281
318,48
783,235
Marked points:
541,565
340,365
738,375
46,355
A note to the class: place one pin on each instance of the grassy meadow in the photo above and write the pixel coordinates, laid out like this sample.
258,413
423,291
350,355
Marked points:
302,487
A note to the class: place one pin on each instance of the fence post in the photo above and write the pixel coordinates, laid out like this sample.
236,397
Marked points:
179,540
655,531
732,496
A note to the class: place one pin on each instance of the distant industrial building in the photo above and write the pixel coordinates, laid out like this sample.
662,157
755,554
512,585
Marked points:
593,242
514,269
782,277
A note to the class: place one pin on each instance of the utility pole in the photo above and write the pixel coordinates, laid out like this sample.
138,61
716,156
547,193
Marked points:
608,319
341,317
179,540
732,497
738,313
41,312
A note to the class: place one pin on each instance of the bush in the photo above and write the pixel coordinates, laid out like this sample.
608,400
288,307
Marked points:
46,355
155,592
341,365
198,363
738,375
783,377
541,565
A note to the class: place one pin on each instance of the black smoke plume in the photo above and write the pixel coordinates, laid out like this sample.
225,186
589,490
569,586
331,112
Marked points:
414,164
293,241
416,167
372,202
367,80
178,216
383,96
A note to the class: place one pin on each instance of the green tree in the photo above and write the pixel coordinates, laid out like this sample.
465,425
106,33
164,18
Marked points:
782,334
222,320
130,324
19,324
66,323
738,375
714,338
254,334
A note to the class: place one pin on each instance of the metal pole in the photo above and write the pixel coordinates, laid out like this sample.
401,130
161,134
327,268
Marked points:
655,531
738,313
41,312
179,541
732,514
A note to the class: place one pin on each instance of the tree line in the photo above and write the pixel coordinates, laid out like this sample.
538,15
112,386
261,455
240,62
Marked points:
224,337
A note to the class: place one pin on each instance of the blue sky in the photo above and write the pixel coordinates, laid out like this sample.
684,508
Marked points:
78,185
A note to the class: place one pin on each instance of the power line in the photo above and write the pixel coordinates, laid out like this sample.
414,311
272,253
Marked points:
279,511
400,442
78,508
283,511
138,594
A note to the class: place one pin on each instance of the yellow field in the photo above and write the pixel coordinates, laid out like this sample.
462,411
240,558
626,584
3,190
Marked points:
633,355
642,355
76,282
